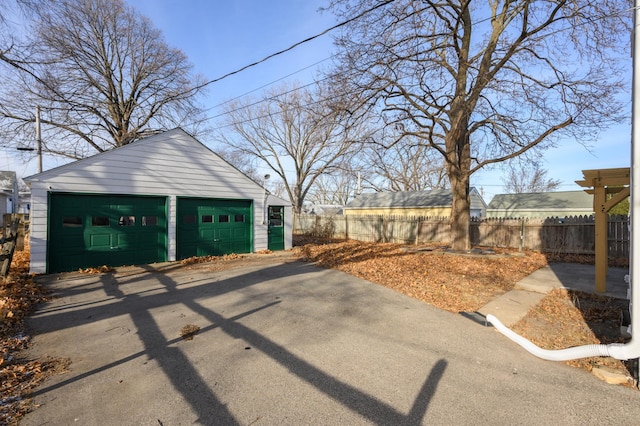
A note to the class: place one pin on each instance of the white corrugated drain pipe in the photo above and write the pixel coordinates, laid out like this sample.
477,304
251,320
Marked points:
631,349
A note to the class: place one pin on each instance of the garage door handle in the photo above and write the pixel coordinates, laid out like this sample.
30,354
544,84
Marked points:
114,248
216,240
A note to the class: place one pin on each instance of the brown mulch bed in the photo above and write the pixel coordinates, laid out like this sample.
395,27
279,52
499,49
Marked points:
463,283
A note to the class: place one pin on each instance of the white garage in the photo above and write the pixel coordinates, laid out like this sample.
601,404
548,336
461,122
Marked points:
162,198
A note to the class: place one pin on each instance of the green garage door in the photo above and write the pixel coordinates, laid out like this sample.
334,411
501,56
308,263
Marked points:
213,227
95,230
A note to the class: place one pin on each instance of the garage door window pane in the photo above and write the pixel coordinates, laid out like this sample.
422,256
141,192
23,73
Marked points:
239,218
223,218
149,220
207,218
189,219
100,221
127,221
71,221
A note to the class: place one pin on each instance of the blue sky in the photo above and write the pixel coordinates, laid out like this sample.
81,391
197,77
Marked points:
223,36
220,36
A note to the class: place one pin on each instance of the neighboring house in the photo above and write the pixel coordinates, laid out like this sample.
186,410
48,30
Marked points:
161,198
434,203
24,202
541,204
8,187
325,209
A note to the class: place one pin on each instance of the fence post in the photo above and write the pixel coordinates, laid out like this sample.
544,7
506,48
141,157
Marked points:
346,227
9,246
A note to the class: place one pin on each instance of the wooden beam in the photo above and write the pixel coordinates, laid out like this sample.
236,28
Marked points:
585,183
606,173
615,189
601,243
602,182
620,196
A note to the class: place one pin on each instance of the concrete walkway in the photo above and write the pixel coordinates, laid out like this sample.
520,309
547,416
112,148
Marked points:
512,306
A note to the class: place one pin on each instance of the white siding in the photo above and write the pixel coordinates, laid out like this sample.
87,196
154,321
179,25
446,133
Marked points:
38,228
169,164
288,220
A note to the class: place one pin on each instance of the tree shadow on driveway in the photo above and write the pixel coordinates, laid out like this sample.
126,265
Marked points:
258,326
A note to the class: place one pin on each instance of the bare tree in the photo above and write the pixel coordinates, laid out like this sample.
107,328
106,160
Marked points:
483,83
528,177
245,163
406,165
101,74
336,188
292,129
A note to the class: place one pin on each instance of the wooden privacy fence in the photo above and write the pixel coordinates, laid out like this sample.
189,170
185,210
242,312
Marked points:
574,235
8,242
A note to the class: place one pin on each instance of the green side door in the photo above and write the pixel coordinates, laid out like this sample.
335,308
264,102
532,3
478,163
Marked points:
276,228
95,230
213,227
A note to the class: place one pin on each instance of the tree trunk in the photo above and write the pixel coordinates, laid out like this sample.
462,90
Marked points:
297,199
460,214
458,169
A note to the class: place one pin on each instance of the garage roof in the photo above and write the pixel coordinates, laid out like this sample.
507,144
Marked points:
543,201
412,199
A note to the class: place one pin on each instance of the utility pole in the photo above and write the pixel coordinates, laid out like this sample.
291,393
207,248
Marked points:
38,139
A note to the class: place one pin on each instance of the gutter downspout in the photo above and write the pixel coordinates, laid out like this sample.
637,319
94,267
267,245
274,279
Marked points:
631,349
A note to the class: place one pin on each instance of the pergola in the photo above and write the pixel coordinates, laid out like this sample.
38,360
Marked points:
604,182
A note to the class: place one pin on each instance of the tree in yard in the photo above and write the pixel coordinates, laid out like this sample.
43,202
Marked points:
248,165
336,188
484,82
292,129
405,165
101,74
528,177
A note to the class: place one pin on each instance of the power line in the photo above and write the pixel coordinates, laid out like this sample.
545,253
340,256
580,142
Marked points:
263,86
293,46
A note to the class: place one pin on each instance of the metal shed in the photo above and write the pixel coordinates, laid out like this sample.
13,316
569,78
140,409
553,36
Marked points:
162,198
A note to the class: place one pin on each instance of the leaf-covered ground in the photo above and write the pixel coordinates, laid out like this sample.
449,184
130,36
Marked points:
19,296
465,283
564,319
456,283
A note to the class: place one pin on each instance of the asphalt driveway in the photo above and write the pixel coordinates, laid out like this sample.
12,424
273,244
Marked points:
284,342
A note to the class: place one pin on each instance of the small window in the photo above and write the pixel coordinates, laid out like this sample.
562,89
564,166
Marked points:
239,218
223,218
149,220
275,222
100,221
189,219
207,218
72,221
127,221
